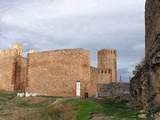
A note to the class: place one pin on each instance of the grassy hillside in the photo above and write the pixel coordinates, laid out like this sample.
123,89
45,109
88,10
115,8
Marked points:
87,109
53,108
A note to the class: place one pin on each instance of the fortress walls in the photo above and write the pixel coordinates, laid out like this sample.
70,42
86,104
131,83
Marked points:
13,73
145,87
152,26
20,74
99,76
7,75
66,72
55,73
13,69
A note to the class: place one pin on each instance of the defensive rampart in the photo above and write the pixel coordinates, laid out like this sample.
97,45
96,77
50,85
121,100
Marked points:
55,73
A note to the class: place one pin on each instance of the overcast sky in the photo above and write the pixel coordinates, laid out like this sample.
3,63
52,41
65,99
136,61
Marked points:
90,24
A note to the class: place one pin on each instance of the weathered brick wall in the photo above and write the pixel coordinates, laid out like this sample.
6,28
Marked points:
7,76
145,87
152,18
24,74
55,72
103,76
141,88
20,73
114,90
13,73
152,22
13,69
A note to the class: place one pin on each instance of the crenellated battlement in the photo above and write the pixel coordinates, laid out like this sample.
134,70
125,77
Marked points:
8,53
61,51
99,75
101,71
15,50
108,52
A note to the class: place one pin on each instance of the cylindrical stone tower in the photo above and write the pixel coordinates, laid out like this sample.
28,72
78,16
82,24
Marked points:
107,59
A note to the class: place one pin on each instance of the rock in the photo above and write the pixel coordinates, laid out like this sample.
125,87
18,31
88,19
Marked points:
157,116
100,117
142,116
142,111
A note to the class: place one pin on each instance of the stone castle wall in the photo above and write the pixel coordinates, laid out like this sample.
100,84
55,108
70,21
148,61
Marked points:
152,24
116,91
152,18
99,76
7,73
20,73
55,73
13,69
141,88
145,85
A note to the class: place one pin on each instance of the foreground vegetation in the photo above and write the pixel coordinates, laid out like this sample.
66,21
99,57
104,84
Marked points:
53,108
88,109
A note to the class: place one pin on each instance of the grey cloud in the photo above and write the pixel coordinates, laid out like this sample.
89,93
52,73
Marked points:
124,74
52,24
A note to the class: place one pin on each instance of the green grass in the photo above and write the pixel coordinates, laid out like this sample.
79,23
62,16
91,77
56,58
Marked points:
53,97
80,109
34,102
85,108
29,104
5,96
119,110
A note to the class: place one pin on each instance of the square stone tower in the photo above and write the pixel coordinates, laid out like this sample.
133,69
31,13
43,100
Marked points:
107,59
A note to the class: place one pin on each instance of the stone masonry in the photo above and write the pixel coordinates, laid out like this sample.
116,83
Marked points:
116,91
145,85
13,69
56,72
107,60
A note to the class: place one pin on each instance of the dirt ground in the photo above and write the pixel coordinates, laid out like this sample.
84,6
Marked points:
33,108
58,108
